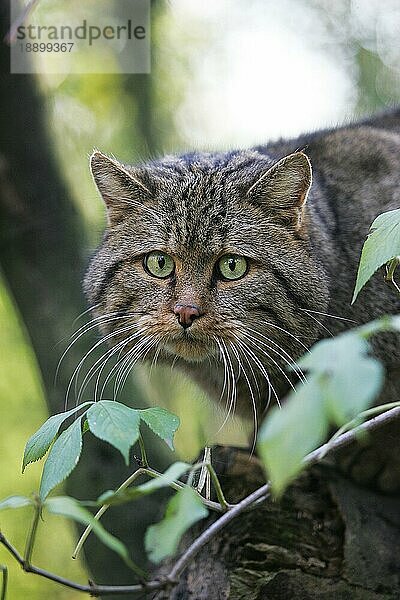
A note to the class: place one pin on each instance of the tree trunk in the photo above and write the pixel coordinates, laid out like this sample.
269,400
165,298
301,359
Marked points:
42,244
326,538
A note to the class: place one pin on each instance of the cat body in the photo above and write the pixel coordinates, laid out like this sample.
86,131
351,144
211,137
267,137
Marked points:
227,264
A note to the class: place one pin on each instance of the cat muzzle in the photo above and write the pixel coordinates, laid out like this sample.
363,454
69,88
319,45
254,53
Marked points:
186,314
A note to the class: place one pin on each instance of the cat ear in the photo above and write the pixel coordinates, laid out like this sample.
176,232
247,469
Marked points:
283,189
120,188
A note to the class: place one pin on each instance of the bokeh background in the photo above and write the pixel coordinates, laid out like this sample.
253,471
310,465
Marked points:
225,74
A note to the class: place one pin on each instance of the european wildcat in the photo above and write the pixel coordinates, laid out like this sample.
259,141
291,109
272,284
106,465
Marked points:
226,263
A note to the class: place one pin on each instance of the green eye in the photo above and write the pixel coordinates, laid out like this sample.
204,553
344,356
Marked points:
232,266
159,264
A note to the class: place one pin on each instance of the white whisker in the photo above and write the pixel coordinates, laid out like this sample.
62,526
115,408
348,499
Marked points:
118,348
109,318
306,348
222,355
286,357
317,312
123,366
140,355
100,363
253,401
261,367
92,349
269,357
231,399
320,324
85,312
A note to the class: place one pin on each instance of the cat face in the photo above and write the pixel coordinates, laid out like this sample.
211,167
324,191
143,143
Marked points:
207,256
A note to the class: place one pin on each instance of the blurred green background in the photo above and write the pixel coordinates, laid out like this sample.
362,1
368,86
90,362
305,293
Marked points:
224,74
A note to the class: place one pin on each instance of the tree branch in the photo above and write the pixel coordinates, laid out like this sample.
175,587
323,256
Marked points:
12,34
349,437
249,502
4,571
213,529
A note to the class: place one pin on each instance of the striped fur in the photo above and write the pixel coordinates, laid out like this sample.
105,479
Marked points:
302,254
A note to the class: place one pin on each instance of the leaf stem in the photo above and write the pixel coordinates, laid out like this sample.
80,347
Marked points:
391,267
218,489
103,509
358,420
143,455
249,502
30,542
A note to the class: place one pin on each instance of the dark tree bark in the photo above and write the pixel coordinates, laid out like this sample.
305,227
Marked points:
326,538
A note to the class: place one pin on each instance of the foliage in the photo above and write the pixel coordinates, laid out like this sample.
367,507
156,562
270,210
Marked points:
162,423
40,442
380,248
71,509
108,420
62,459
116,424
23,410
183,510
173,473
343,380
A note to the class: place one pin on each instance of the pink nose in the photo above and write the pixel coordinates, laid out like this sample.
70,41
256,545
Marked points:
186,314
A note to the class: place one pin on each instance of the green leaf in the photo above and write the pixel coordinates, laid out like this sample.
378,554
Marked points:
183,510
384,323
116,424
41,441
349,378
162,422
63,458
381,245
15,502
172,474
289,434
342,380
73,509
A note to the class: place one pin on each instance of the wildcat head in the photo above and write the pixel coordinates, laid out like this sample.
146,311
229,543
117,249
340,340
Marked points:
207,256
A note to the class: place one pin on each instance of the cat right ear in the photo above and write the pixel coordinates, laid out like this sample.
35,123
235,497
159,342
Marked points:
120,188
282,190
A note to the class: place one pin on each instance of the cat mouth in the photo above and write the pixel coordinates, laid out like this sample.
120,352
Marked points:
189,348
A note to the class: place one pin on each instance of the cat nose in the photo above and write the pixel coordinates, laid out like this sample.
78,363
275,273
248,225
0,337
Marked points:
186,314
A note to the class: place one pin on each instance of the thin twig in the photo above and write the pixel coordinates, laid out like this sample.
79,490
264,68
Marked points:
94,590
103,509
215,506
4,582
213,529
30,542
349,437
204,471
247,503
358,420
218,488
391,268
143,455
10,37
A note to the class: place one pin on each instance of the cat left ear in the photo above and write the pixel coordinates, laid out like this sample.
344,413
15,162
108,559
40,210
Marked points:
283,189
119,186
